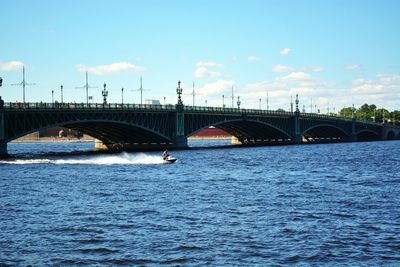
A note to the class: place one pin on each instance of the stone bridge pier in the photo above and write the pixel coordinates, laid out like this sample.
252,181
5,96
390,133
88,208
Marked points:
3,142
3,149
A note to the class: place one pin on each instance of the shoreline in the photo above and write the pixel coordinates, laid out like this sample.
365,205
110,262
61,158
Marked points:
53,140
89,140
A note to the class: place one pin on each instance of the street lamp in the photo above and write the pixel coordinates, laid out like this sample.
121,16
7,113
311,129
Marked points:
374,114
179,92
291,103
328,107
259,103
122,94
52,96
105,94
62,99
223,101
383,116
238,102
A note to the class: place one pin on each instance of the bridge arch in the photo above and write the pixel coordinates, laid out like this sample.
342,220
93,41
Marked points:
246,130
325,133
108,131
367,135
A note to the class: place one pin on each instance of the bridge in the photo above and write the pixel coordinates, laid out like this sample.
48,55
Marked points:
139,127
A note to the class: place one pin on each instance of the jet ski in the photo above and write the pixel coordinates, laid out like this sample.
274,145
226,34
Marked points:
169,160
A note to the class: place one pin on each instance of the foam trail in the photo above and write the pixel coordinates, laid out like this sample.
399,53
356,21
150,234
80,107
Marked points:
123,158
26,161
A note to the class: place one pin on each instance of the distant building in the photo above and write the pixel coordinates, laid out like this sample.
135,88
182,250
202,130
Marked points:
152,102
59,132
212,133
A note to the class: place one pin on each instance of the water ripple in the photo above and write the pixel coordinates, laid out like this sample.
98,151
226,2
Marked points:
317,205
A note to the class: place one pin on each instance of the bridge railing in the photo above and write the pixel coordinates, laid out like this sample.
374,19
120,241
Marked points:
235,110
84,106
332,116
170,107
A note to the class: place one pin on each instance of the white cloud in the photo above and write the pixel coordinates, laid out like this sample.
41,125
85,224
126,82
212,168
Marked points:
10,66
253,58
318,69
369,88
202,69
358,81
281,89
281,69
216,87
203,72
384,84
111,68
208,64
390,79
299,76
353,67
285,51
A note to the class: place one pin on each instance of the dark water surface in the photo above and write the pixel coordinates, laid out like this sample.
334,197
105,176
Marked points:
321,205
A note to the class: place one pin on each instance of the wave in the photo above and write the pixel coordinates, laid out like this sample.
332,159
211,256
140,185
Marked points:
123,158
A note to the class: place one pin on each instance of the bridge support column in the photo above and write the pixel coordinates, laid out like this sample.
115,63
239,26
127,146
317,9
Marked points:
180,139
3,150
353,137
296,134
235,141
3,143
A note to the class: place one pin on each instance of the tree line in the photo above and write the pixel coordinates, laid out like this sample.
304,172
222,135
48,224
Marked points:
368,113
371,113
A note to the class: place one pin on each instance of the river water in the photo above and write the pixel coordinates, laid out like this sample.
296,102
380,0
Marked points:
321,205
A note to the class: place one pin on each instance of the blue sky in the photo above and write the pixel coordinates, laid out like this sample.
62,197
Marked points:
334,52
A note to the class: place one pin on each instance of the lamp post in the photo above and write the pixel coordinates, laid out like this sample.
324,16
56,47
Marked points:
297,103
122,95
179,92
291,103
62,98
259,103
328,107
238,102
374,114
223,101
105,94
232,96
164,100
52,96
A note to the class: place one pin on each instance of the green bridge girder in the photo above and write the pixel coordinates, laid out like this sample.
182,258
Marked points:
132,126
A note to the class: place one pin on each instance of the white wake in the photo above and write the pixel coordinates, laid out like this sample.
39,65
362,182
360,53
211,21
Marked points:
123,158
